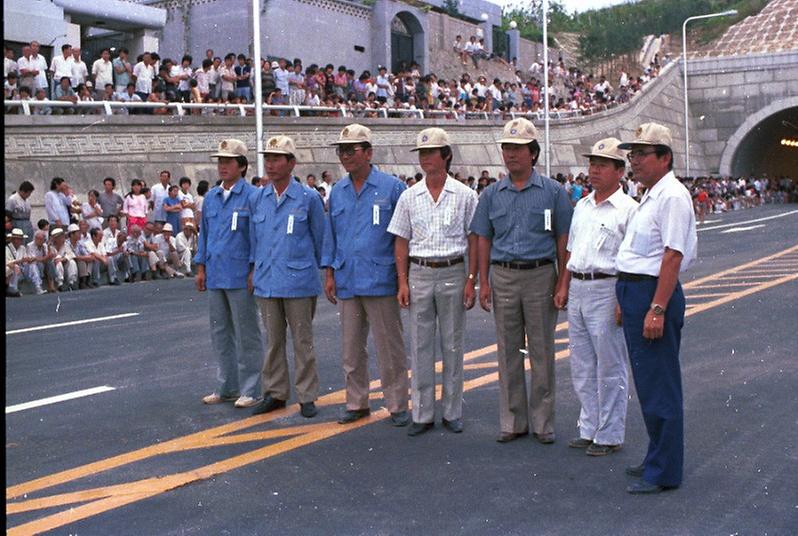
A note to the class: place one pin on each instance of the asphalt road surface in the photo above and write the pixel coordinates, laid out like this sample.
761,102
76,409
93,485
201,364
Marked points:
140,453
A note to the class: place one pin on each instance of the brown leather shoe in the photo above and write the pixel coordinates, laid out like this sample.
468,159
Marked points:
546,439
506,437
601,450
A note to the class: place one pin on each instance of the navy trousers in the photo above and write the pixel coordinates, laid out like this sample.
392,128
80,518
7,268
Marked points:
658,378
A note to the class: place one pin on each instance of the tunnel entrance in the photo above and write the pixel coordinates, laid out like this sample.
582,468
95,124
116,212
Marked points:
761,151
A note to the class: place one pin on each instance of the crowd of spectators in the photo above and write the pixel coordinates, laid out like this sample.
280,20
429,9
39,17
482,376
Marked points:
150,232
230,80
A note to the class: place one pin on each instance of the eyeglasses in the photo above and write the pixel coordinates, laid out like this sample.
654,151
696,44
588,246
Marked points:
347,150
638,153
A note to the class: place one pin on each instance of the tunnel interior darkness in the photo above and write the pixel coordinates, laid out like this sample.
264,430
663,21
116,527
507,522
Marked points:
761,150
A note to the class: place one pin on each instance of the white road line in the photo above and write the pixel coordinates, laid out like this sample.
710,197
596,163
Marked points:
741,229
59,398
744,222
73,323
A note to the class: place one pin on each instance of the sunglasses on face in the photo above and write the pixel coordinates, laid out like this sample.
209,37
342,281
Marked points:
347,150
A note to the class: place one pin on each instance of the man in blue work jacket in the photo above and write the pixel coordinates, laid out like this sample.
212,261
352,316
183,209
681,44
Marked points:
361,272
288,234
222,260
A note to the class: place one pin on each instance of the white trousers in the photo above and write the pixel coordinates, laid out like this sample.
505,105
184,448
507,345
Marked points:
598,360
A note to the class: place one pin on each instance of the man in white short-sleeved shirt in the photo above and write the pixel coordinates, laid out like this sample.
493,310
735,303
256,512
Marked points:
660,242
598,350
103,72
61,65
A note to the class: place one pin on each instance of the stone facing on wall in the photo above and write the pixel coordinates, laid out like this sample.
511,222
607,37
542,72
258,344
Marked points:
724,92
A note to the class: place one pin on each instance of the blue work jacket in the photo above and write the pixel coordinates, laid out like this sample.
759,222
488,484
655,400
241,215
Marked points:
357,244
223,244
287,241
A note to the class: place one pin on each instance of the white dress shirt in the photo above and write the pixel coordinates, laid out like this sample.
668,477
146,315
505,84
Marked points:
597,231
664,219
435,230
79,72
61,67
103,72
144,75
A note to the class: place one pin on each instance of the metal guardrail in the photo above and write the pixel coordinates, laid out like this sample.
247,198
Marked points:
181,108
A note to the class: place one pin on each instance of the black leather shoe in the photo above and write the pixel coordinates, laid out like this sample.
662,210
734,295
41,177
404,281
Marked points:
400,418
419,428
635,470
579,443
506,437
308,409
545,439
642,487
268,404
352,415
455,426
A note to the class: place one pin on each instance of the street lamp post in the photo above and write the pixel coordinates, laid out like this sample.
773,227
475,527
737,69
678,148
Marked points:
546,86
258,95
684,70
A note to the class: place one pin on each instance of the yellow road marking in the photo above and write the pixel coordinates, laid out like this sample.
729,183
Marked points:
113,496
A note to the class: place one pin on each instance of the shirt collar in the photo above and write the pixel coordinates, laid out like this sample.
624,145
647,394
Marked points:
614,199
293,190
655,190
346,182
534,180
236,189
448,186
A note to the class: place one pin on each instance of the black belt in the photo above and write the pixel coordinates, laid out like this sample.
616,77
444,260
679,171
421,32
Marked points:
436,264
625,276
590,276
522,265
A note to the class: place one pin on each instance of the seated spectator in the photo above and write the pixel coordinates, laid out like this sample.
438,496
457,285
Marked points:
137,254
41,96
64,269
168,259
186,245
95,248
21,265
64,92
114,245
129,95
41,259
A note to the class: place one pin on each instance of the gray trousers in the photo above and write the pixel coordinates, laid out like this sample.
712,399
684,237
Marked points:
436,302
278,314
382,314
236,340
524,309
138,265
598,360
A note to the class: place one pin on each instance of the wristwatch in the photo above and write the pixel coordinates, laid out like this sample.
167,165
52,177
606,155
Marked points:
657,309
471,277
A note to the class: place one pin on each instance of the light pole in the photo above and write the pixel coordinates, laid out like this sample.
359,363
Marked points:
546,86
684,70
258,95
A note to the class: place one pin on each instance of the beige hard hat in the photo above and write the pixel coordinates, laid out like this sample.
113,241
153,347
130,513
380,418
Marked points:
432,138
280,145
519,131
167,227
650,134
56,232
231,148
607,148
354,133
72,228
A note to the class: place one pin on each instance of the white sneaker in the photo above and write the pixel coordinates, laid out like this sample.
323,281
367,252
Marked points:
246,402
40,291
216,398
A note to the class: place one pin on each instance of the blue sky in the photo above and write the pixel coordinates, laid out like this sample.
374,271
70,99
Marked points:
570,5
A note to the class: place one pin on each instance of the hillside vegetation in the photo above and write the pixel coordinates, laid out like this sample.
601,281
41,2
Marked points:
618,31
